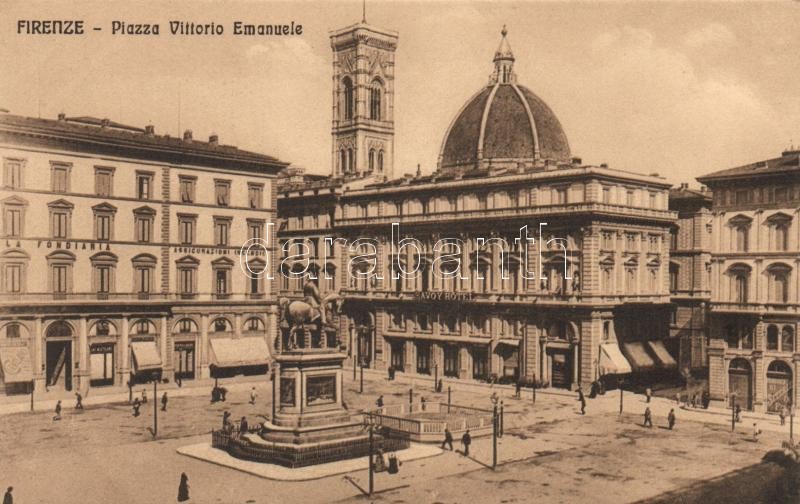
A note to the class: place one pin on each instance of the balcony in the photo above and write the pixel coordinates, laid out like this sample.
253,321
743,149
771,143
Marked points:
30,298
754,308
506,213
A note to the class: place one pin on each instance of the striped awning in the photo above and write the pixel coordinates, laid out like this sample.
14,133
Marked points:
661,353
145,356
229,352
612,361
637,355
16,364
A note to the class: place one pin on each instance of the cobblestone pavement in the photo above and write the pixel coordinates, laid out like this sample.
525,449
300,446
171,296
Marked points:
104,454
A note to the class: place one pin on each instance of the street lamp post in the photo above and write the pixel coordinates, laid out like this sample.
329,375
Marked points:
733,412
436,377
33,386
494,437
410,398
502,419
620,395
371,428
791,425
155,406
361,385
533,388
448,398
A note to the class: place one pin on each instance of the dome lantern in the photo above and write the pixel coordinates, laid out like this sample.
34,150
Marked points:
503,61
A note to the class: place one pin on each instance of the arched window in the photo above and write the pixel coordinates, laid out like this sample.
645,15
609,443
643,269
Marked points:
772,337
372,160
741,283
741,238
787,339
350,160
348,98
674,269
380,160
779,284
375,97
342,161
731,336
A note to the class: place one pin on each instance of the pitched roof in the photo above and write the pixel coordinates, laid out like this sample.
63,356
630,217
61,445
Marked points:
101,136
788,162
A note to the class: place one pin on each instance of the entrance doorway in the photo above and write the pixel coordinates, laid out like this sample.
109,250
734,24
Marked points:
779,386
59,364
740,383
561,369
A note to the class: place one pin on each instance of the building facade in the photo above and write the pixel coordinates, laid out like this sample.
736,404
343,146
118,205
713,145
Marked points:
755,303
121,255
564,308
689,275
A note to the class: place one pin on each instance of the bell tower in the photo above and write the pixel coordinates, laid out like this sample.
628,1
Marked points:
363,101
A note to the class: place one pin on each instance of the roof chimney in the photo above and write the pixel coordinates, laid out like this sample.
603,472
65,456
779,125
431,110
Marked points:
576,160
684,185
104,123
213,139
149,130
603,165
419,170
187,135
62,116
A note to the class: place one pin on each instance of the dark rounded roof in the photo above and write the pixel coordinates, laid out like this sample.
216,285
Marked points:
503,123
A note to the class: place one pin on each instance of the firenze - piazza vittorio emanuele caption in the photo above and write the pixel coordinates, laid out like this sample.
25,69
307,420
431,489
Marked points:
179,28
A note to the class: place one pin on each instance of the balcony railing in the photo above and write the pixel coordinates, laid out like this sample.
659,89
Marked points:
67,297
505,297
733,306
540,211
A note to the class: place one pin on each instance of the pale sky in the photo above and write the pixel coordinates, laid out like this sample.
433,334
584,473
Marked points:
676,88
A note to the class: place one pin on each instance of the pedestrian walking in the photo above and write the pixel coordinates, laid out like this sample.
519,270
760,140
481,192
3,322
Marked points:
440,385
671,418
518,389
782,415
136,405
466,440
694,400
178,380
78,400
737,413
58,411
164,402
226,419
448,439
243,427
183,488
422,403
253,395
678,398
379,402
648,418
494,398
8,498
756,431
144,396
648,394
582,399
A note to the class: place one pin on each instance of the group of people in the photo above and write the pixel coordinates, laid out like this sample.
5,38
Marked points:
137,403
466,440
648,418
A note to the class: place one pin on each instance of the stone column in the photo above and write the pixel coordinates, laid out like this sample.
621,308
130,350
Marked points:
272,327
166,362
124,353
37,340
203,350
410,360
237,325
83,354
464,363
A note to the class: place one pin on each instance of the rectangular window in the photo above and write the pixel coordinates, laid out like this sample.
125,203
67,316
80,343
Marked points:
60,178
187,280
652,200
186,225
255,230
12,173
60,224
144,182
187,188
608,241
255,195
60,279
222,192
221,228
103,181
13,222
781,194
561,196
101,360
742,197
221,281
143,229
607,195
12,276
144,278
629,197
103,279
103,227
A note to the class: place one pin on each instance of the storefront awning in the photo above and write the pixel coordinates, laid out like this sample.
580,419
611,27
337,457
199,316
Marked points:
612,361
637,355
661,353
509,342
16,363
229,352
145,356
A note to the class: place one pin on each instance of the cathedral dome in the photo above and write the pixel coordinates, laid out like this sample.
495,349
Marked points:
504,124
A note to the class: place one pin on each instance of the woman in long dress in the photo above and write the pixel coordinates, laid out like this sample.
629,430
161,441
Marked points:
183,488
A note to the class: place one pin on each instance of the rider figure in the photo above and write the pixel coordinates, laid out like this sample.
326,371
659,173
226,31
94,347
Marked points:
314,300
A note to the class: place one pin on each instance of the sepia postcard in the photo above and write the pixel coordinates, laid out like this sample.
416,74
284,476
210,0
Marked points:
444,252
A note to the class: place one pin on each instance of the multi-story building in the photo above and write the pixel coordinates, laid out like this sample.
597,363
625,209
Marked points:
121,255
565,308
689,268
755,286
